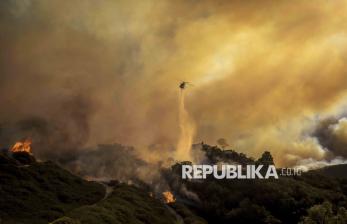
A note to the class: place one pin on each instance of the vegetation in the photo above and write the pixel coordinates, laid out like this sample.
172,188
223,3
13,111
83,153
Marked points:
283,200
40,192
323,213
126,204
35,193
215,155
188,216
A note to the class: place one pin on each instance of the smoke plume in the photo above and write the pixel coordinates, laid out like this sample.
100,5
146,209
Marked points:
187,131
262,70
332,134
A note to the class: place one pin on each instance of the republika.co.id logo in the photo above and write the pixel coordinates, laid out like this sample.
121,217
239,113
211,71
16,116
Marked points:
199,172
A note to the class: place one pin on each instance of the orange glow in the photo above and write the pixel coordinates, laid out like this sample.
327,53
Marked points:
22,146
168,197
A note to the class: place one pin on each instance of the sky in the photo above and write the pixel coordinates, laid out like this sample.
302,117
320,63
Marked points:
266,75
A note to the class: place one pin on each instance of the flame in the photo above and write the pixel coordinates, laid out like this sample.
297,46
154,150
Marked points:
22,146
168,197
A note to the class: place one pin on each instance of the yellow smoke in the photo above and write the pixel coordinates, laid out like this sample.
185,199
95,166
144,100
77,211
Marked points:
187,130
263,70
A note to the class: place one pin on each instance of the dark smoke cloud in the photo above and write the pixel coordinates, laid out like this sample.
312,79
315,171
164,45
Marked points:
56,135
109,162
331,134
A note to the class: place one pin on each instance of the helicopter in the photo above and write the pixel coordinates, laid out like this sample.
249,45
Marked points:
184,84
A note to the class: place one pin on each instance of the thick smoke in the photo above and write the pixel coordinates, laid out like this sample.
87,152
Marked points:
259,69
332,134
55,136
112,162
311,164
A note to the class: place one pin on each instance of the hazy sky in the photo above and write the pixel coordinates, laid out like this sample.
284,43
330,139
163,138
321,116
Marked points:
265,73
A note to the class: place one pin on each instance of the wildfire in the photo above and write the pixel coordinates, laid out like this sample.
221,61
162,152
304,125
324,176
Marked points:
22,146
168,197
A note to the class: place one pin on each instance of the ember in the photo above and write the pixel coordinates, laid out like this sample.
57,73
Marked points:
168,197
22,146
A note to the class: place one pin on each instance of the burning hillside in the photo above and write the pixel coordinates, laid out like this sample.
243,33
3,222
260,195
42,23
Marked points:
107,106
168,197
22,146
211,200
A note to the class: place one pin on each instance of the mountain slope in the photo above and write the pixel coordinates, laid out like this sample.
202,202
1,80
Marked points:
126,204
285,200
339,171
40,192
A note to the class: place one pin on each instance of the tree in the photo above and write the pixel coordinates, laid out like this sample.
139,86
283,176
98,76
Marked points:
323,214
266,159
222,142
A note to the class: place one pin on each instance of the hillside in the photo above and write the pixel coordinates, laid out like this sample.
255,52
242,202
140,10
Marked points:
126,204
40,192
338,171
284,200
